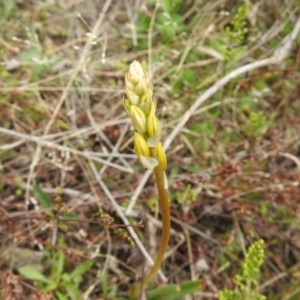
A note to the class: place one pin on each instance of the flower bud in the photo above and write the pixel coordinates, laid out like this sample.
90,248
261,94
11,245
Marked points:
153,126
140,146
147,104
138,118
126,104
161,156
137,81
136,72
132,96
139,88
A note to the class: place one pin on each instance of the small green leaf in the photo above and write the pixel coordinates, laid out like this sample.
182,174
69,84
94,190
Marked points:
173,292
60,262
65,278
104,283
42,197
73,291
52,286
81,269
32,274
69,217
61,296
35,57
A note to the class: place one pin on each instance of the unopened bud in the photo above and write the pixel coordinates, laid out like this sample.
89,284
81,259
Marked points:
147,104
138,88
132,96
140,146
138,118
161,156
136,72
126,104
153,126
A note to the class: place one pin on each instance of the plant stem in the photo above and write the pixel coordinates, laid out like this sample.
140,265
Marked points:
165,236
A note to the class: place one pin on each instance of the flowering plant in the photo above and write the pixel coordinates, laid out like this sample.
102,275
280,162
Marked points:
140,107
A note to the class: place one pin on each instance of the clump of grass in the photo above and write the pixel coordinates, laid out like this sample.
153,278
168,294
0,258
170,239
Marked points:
60,282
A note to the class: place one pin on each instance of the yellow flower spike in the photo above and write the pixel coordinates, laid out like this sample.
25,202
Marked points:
138,118
161,156
153,126
141,107
140,146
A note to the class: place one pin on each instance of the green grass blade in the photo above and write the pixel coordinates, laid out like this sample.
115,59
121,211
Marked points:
42,197
173,292
32,274
81,269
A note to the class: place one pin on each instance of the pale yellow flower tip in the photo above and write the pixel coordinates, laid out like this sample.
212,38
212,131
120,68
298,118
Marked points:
141,147
161,156
136,72
138,118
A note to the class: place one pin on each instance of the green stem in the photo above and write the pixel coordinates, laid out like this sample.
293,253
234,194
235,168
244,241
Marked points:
165,236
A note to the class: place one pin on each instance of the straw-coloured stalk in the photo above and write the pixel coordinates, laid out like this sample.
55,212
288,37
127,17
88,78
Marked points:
140,107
